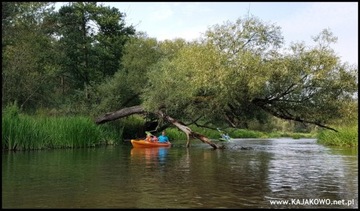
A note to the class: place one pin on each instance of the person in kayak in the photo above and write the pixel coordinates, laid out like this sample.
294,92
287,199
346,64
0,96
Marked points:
163,138
154,139
148,138
151,138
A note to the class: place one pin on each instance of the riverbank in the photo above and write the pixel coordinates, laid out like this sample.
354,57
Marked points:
347,136
31,132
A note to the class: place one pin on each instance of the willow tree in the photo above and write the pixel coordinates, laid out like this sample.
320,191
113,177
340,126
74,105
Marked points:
238,72
125,87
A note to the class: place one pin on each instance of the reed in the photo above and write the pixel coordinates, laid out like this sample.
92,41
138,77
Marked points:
19,132
242,133
347,136
24,132
176,134
277,134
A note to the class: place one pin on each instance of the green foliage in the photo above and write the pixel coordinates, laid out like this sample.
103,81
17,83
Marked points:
11,111
133,127
346,137
237,75
309,84
241,133
54,59
348,111
28,56
245,34
84,60
176,134
141,53
293,135
90,54
24,132
124,88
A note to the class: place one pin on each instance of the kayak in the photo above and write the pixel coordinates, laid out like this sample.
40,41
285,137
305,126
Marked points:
148,152
224,137
142,143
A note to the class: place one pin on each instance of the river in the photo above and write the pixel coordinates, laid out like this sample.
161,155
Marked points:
249,173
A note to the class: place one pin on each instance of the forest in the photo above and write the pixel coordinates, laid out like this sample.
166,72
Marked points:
84,60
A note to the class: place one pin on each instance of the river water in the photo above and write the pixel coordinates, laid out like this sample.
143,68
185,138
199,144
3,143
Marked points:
249,173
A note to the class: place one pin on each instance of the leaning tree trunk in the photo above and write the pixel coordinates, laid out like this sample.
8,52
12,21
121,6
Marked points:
189,133
119,114
138,110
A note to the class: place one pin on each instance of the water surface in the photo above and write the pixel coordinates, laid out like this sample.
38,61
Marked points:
249,173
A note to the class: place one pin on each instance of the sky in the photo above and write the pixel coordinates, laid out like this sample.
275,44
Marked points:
299,21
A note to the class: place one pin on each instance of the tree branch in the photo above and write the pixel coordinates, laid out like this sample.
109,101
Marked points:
285,114
139,109
120,114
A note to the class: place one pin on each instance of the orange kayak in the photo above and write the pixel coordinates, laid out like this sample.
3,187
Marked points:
143,143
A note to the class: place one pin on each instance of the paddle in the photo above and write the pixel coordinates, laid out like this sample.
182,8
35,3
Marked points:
148,133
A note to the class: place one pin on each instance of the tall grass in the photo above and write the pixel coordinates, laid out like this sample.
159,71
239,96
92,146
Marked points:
176,134
347,136
24,132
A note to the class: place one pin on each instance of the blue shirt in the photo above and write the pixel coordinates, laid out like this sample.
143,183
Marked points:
163,139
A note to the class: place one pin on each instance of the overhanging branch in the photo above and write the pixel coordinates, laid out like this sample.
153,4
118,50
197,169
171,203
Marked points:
119,114
139,110
286,115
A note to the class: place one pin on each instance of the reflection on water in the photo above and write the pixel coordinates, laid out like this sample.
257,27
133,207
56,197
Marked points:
151,155
250,173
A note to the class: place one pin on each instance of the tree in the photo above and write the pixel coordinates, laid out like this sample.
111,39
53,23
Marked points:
239,72
125,87
28,55
309,85
92,39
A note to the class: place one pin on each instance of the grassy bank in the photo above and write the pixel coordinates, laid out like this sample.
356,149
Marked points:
347,136
174,133
24,132
29,132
